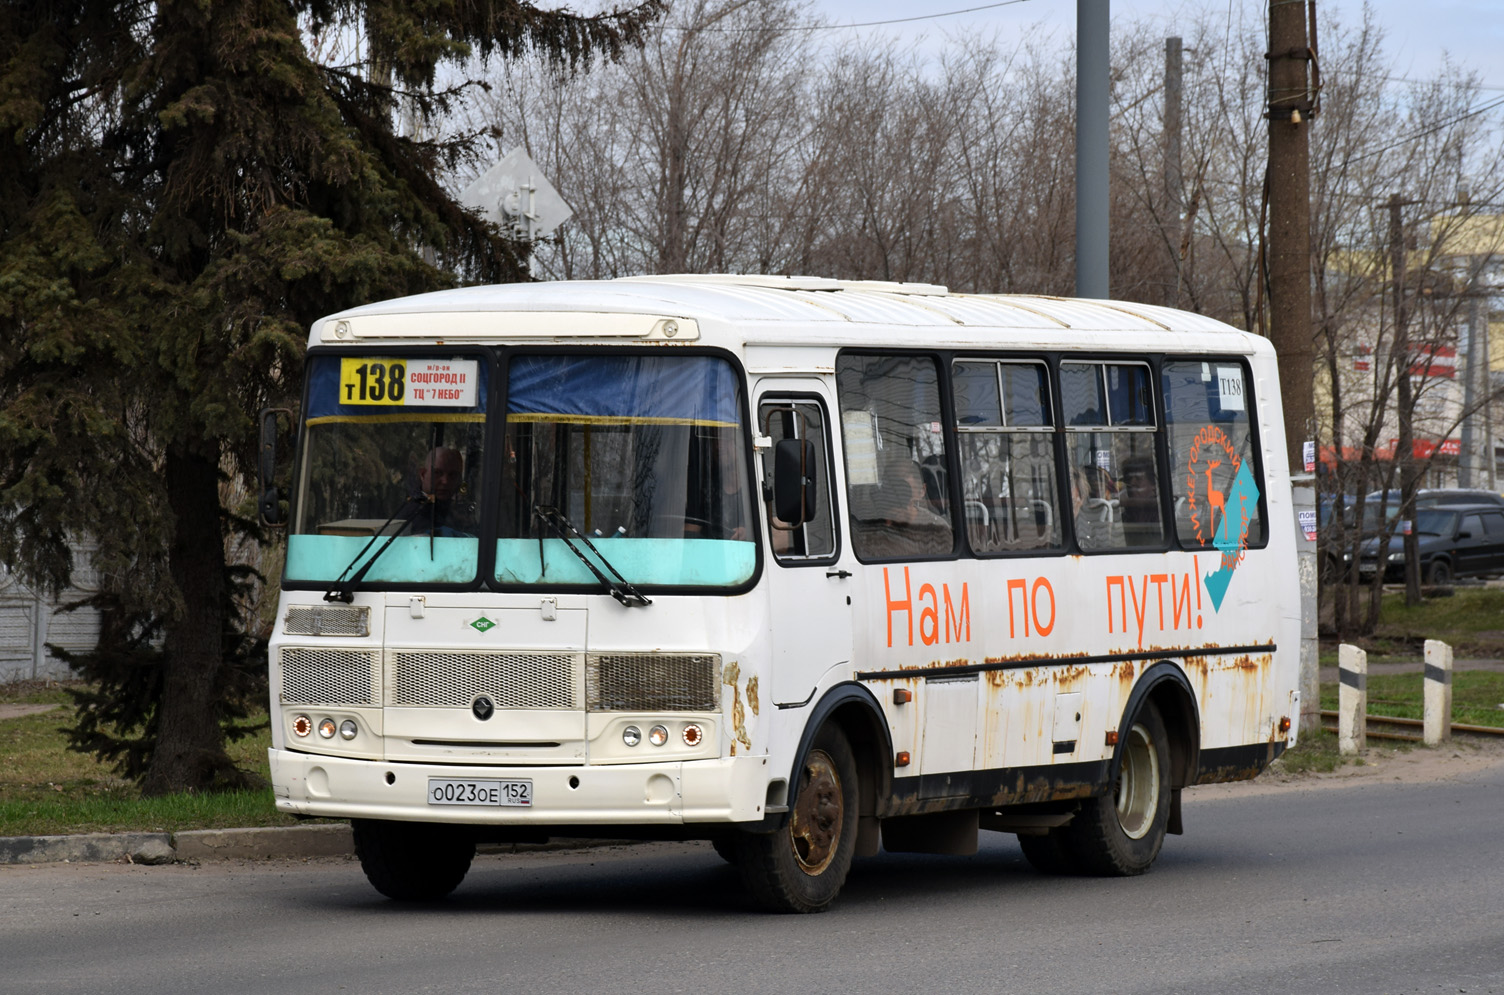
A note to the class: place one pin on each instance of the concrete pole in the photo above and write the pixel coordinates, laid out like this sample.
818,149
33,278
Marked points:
1352,699
1092,91
1174,198
1303,492
1289,240
1469,466
1437,717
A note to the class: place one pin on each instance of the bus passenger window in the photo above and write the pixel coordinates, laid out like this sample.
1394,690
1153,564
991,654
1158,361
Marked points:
898,497
1006,437
1211,445
1110,440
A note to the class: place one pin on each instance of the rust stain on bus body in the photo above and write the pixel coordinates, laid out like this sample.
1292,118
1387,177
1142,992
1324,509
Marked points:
729,676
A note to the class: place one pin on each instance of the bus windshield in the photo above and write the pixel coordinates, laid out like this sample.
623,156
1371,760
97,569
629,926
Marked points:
645,457
393,448
615,469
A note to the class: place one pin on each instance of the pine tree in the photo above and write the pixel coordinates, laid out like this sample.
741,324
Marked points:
183,189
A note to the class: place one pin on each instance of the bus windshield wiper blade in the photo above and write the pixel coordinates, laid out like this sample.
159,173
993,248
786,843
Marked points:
621,589
344,590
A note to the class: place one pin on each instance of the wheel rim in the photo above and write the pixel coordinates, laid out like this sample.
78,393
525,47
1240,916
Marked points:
818,814
1138,784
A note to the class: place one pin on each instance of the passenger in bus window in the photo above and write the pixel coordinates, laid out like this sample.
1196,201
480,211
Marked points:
1139,502
895,519
1092,515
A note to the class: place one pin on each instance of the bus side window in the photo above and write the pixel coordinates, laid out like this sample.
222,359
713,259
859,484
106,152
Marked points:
1005,433
814,540
1108,409
895,454
1207,405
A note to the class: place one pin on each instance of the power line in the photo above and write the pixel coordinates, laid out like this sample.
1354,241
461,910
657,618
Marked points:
863,24
1427,131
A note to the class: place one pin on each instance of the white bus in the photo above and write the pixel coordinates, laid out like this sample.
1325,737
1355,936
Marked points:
802,567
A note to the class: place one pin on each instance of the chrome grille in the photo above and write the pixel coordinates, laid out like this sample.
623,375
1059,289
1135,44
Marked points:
633,682
327,620
328,676
510,680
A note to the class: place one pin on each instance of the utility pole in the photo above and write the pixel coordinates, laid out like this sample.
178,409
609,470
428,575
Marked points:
1174,177
1092,94
1404,446
1469,467
1291,105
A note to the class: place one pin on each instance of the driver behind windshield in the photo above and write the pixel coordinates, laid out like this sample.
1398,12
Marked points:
441,485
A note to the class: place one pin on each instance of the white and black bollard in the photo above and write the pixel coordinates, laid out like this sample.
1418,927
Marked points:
1438,692
1352,699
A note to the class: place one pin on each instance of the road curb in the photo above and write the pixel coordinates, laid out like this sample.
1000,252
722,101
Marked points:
199,845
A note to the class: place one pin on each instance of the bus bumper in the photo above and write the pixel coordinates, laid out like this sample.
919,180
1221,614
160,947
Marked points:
731,789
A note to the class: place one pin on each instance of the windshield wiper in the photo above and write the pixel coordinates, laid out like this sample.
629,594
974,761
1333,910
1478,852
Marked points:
621,589
344,590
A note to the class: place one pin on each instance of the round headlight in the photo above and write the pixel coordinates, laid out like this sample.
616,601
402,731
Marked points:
348,729
302,725
658,735
631,735
693,735
326,728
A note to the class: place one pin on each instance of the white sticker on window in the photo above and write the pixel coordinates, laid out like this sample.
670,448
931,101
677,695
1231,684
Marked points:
861,446
1230,388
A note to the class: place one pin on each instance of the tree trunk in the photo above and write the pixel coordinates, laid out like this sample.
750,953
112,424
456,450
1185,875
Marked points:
189,754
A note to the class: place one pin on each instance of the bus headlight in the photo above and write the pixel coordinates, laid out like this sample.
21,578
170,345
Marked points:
348,729
326,728
631,735
658,735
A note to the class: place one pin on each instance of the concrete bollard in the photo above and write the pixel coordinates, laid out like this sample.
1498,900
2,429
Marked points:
1438,692
1352,699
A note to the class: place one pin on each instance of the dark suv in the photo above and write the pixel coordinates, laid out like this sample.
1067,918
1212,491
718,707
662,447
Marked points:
1453,540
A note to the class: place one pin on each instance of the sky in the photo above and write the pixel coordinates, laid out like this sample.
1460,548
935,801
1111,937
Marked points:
1418,32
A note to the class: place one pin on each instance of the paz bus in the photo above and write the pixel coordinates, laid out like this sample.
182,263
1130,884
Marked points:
802,567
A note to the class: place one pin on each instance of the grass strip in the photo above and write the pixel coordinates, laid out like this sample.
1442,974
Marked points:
1477,697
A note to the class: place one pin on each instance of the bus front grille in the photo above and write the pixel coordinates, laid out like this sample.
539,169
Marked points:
328,676
454,679
652,682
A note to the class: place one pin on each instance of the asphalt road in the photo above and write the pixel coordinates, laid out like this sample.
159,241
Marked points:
1374,887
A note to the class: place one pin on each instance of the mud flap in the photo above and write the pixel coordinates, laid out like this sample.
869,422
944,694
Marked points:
943,832
1174,827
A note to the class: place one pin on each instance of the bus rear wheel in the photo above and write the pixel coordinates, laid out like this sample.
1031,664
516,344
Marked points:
412,861
1120,833
801,868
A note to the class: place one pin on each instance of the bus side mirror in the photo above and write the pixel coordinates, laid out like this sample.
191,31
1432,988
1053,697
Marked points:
794,481
269,502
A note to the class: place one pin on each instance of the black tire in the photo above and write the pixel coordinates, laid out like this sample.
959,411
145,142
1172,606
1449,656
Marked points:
412,861
1049,854
1119,834
1439,573
801,868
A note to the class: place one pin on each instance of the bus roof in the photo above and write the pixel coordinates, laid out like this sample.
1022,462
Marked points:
765,309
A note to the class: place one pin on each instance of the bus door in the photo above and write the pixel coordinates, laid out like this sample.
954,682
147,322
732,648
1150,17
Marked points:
809,578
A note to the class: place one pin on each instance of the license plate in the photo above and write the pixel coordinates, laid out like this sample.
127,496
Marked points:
451,791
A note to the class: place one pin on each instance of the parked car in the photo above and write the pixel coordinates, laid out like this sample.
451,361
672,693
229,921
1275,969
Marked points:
1453,540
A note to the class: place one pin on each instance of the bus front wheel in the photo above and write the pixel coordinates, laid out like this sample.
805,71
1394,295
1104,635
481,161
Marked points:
801,868
412,861
1120,833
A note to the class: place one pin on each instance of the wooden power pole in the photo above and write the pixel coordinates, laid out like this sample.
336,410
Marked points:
1291,105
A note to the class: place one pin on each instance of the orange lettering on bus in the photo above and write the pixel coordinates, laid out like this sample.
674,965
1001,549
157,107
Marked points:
906,605
929,618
